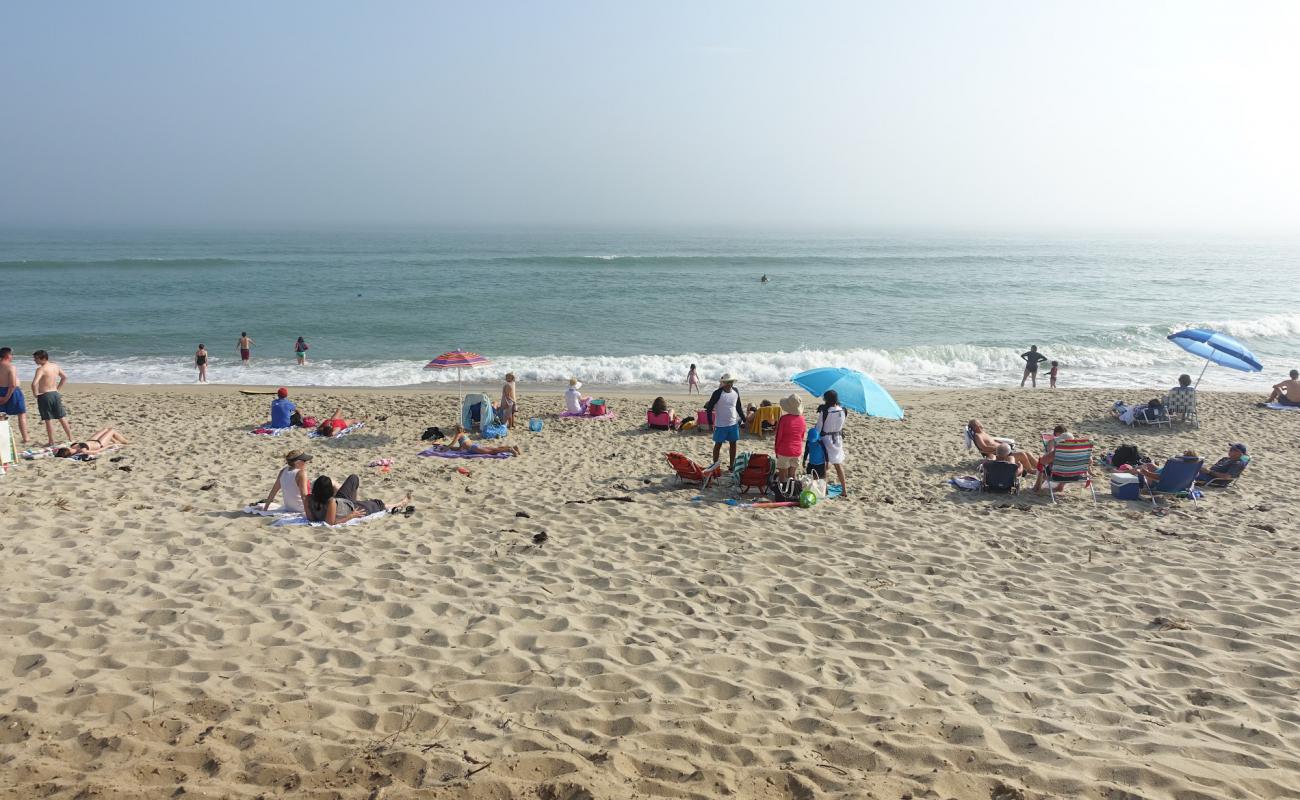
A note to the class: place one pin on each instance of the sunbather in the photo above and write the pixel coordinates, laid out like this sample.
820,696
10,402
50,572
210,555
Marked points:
335,505
984,443
334,425
1287,392
461,442
101,441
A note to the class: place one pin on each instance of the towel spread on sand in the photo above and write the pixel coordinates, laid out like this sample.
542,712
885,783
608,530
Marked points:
266,431
1281,407
606,415
435,452
301,519
278,511
349,429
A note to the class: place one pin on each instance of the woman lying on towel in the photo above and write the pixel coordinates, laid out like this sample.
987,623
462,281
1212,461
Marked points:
101,441
335,505
461,441
334,424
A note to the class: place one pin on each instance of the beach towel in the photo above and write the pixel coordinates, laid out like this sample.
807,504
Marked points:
437,452
301,519
267,431
349,429
967,483
1281,407
278,511
608,415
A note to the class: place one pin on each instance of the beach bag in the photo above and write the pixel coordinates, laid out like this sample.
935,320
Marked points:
432,433
310,422
815,485
534,425
596,408
1125,454
495,431
787,490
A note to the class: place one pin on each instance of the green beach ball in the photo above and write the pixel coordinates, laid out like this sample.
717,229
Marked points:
807,499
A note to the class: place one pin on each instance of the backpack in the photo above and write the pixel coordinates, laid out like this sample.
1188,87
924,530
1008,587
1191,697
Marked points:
1125,454
432,433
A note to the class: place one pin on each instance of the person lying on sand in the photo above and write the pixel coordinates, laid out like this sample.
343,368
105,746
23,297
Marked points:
335,424
461,442
335,505
93,446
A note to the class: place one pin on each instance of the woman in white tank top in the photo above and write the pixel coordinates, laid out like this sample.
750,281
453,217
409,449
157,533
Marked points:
292,480
830,423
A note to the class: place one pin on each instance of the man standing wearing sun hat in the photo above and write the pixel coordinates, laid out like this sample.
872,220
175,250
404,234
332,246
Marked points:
728,416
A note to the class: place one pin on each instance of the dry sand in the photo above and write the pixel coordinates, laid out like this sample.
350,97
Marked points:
908,641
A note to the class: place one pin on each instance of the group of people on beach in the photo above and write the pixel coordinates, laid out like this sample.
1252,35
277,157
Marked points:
47,385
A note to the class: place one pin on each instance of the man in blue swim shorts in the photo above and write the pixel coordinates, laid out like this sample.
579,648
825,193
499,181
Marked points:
12,401
728,416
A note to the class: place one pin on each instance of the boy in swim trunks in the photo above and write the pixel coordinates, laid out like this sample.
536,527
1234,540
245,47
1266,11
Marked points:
245,347
46,384
12,401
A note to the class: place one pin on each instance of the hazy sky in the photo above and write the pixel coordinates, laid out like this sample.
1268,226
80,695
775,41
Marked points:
1135,115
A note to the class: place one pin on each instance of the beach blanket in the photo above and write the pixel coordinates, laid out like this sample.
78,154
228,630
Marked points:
1280,407
349,429
278,511
608,415
967,483
265,431
437,452
46,452
301,519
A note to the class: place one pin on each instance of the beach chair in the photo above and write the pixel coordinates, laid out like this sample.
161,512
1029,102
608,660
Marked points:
1176,476
757,473
1181,404
662,421
1225,483
472,417
1072,463
1000,477
1157,417
688,471
768,414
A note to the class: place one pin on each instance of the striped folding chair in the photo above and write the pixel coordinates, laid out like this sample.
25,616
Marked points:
1072,463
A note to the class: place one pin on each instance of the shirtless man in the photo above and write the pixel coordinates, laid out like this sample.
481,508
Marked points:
245,347
1287,392
46,384
12,401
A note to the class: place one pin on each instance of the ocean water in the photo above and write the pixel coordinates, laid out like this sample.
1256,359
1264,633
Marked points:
637,308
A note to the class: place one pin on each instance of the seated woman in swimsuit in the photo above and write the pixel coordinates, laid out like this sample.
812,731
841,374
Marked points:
461,441
334,425
93,446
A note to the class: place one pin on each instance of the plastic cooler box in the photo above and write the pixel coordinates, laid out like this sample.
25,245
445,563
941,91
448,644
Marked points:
1124,486
596,408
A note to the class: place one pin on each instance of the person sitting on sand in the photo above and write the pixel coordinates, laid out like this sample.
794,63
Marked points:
334,425
292,480
335,505
574,401
1225,470
1024,462
282,409
661,417
101,441
462,443
1287,393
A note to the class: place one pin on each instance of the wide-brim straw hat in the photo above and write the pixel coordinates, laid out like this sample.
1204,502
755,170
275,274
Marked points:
575,383
727,377
791,405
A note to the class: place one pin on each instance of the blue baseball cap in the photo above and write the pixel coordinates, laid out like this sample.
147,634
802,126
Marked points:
1238,446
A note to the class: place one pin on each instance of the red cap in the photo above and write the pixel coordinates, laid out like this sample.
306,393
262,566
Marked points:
282,392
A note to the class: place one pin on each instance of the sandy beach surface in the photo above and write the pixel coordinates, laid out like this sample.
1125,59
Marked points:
909,641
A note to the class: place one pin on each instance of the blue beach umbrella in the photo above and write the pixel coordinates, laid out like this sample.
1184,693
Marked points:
1219,348
856,391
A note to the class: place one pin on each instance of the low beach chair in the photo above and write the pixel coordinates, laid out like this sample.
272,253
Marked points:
1225,483
690,472
1072,463
1176,477
757,473
1000,477
1181,405
768,414
1154,417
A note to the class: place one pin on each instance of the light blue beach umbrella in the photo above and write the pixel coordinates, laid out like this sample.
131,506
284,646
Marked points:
1219,348
856,391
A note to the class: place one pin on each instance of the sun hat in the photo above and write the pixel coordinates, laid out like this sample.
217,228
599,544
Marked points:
296,455
575,383
282,392
1238,446
727,377
791,405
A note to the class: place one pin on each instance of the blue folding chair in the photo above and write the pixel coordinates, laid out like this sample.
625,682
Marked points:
1176,477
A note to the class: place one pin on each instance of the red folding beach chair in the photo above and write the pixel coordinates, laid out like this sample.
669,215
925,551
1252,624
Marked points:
688,471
